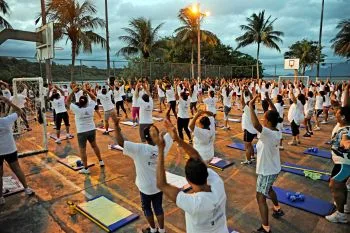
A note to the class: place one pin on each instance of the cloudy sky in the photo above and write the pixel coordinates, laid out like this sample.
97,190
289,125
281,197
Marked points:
298,19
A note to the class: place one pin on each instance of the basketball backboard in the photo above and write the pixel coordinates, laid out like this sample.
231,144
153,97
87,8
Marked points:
45,50
291,64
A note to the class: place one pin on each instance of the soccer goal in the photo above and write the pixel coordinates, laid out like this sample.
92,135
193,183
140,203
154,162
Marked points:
30,130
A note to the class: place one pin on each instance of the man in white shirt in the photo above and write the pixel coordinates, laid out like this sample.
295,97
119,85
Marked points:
8,149
20,101
6,93
205,206
108,107
145,160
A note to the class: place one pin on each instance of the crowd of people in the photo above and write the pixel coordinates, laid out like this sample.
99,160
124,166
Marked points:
194,104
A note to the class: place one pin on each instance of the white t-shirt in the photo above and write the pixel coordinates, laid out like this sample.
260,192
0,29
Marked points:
145,159
296,113
122,90
59,105
309,105
280,110
327,101
65,91
268,160
19,100
194,96
263,91
205,212
170,95
84,117
274,92
117,95
8,144
227,99
146,109
78,95
106,101
183,108
210,104
203,140
160,92
247,120
319,102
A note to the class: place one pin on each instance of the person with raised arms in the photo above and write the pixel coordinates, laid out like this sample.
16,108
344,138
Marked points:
85,125
205,205
268,164
8,149
161,95
227,94
146,109
145,160
105,98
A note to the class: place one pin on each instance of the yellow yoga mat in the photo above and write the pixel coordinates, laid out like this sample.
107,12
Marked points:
105,211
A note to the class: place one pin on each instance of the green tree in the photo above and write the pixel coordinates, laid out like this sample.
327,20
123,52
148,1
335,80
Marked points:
76,22
189,31
341,42
259,30
306,51
141,38
4,9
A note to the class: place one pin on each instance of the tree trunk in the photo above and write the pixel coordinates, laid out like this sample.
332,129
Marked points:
257,62
73,61
304,67
192,65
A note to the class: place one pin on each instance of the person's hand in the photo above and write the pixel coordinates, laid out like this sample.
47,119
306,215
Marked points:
252,102
161,141
171,129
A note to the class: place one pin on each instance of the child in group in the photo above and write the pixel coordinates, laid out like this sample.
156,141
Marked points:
318,108
210,103
326,104
309,112
227,94
296,116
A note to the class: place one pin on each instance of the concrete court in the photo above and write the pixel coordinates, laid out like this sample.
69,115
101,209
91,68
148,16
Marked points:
55,184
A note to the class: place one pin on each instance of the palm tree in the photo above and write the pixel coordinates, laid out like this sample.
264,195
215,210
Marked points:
76,22
189,31
306,51
259,30
141,38
4,8
341,42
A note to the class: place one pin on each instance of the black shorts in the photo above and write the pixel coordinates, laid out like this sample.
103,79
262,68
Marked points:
149,201
319,112
248,137
86,136
9,158
59,117
295,128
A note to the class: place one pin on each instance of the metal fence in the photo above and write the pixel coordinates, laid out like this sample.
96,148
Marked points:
87,70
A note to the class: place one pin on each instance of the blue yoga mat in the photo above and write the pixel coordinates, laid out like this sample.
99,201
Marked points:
287,130
301,172
222,164
310,204
320,153
240,146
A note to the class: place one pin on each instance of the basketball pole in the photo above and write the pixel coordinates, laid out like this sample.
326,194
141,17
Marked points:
47,61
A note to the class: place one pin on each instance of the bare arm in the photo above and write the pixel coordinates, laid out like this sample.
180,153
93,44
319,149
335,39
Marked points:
59,89
92,96
118,132
70,97
272,106
253,116
13,106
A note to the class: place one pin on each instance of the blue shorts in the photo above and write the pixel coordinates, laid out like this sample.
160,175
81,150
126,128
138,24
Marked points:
341,172
149,201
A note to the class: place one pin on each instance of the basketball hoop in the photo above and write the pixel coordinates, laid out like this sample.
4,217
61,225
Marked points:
291,64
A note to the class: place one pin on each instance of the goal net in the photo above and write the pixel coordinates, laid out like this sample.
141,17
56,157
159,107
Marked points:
30,130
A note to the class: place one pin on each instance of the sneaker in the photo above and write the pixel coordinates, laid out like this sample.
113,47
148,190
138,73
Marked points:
312,133
317,128
261,230
69,136
281,147
58,141
346,209
277,214
324,122
337,217
307,135
247,162
147,230
54,127
105,133
2,201
292,143
252,159
29,192
102,164
84,171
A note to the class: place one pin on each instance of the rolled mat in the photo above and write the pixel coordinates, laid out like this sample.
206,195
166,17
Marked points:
300,170
310,204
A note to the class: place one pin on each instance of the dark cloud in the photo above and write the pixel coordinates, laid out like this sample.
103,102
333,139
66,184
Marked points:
298,19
